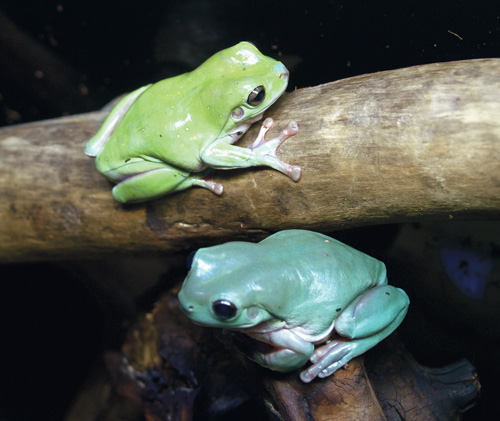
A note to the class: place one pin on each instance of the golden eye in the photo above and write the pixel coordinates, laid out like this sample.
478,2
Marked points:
256,96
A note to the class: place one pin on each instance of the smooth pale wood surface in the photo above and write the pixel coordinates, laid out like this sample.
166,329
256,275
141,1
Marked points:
403,145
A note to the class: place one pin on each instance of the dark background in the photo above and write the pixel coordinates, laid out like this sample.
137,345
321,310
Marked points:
106,48
65,57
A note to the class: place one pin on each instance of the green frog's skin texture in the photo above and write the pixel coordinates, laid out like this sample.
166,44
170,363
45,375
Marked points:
160,138
295,290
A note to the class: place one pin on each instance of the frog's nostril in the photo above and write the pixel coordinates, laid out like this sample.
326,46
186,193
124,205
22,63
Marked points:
187,309
284,75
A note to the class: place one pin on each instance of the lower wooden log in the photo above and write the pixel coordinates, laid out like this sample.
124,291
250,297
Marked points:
346,395
176,371
407,390
171,367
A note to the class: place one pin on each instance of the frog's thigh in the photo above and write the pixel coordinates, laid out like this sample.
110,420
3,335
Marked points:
330,357
365,322
373,312
151,184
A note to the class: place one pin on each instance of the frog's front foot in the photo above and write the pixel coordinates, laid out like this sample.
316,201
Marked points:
267,150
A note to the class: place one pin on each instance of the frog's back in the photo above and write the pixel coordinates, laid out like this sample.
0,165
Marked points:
323,266
162,125
297,263
310,278
301,277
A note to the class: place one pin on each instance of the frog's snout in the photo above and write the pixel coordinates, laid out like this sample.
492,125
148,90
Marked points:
282,71
185,308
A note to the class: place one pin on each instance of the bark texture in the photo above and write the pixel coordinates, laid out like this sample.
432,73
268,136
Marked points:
402,145
175,370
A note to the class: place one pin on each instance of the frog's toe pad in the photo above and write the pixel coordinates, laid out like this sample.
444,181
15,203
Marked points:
295,172
329,370
291,129
209,184
217,188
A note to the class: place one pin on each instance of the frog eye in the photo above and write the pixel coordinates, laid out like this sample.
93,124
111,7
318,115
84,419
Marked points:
257,95
224,309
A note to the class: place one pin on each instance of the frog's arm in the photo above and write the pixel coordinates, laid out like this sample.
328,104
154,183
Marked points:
291,351
363,324
223,155
95,145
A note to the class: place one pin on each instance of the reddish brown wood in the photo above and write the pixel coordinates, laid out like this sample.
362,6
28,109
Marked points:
171,367
347,395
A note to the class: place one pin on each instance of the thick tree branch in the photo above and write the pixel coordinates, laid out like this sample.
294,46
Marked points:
415,143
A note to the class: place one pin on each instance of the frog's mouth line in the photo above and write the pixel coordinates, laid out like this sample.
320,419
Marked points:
249,346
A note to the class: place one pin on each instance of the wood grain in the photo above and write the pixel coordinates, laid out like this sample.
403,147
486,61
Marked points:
172,369
403,145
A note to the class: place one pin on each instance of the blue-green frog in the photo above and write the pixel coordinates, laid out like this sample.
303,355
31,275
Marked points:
299,295
163,137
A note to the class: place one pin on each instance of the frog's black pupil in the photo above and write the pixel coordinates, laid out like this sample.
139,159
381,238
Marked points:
260,96
257,95
224,309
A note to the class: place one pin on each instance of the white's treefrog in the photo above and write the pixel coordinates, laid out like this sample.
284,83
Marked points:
292,291
160,138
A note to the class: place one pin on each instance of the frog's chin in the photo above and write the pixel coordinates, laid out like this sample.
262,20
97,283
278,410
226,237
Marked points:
243,326
236,327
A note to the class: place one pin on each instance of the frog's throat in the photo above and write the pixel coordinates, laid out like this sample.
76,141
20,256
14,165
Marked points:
256,331
315,339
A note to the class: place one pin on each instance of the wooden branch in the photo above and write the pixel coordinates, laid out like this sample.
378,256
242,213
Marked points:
408,390
415,143
384,384
170,367
346,395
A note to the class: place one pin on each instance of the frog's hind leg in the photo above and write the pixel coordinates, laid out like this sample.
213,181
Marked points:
160,182
96,144
361,325
206,181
